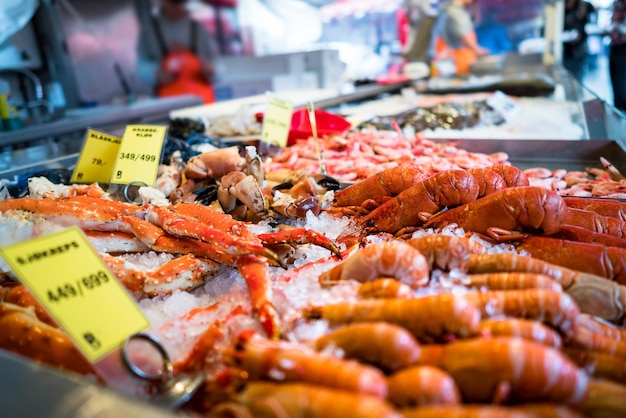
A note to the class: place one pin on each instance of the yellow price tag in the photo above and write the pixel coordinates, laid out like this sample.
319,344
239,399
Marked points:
96,160
276,122
139,154
74,285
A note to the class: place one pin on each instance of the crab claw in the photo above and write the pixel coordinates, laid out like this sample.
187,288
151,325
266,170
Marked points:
502,235
268,317
214,163
254,271
239,186
302,236
182,225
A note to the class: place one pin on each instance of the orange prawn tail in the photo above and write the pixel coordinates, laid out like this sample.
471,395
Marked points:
385,259
553,307
385,345
278,360
491,263
522,328
423,385
512,281
385,288
427,318
302,399
529,371
445,252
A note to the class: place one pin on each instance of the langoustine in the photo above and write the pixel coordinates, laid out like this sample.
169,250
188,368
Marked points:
23,333
382,344
522,328
427,318
553,307
422,385
265,359
593,294
386,259
295,399
509,368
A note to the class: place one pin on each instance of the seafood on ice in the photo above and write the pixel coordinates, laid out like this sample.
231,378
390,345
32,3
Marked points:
398,321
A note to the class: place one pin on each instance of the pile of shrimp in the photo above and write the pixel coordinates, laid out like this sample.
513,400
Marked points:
430,341
359,155
604,182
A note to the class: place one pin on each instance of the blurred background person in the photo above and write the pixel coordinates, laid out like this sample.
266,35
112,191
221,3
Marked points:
617,54
492,34
175,53
578,13
455,37
421,15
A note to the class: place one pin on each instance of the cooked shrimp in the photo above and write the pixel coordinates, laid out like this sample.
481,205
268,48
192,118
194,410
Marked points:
511,368
385,345
429,317
422,385
387,259
522,328
385,288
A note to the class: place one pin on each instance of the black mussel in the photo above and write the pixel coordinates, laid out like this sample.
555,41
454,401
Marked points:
173,144
183,128
206,195
19,187
322,180
327,182
284,186
200,141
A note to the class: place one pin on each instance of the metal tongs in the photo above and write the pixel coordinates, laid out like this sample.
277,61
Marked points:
169,391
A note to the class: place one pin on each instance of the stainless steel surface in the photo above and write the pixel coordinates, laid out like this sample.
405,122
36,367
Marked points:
143,111
551,154
31,390
595,118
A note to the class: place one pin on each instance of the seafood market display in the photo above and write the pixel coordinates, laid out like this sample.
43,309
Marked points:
439,282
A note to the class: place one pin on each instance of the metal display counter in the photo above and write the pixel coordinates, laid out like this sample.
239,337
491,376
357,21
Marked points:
62,396
31,390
